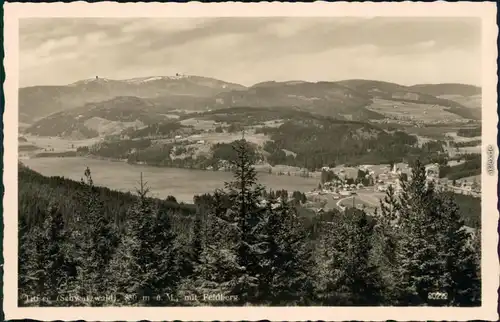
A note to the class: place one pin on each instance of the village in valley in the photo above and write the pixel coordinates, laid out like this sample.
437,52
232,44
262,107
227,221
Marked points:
363,186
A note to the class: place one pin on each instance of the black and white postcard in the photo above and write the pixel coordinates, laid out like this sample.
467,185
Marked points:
278,161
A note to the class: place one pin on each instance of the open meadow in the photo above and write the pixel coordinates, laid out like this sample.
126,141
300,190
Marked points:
30,145
427,113
473,101
359,203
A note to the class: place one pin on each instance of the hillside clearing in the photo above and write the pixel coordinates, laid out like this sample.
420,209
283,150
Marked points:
199,124
474,101
427,113
57,143
106,127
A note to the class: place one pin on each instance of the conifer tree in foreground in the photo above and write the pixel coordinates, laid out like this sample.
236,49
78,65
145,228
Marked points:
257,252
56,258
462,279
287,262
95,242
190,253
434,250
349,277
31,262
236,245
386,239
244,194
47,271
144,266
218,271
22,261
197,241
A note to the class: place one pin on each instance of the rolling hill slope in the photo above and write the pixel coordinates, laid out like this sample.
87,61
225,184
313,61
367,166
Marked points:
469,96
39,101
392,91
98,119
447,89
101,100
323,98
423,94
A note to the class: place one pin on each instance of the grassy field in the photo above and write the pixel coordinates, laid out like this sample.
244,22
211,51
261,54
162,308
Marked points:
428,113
427,132
200,124
28,147
171,116
181,183
434,133
471,179
360,202
273,123
468,149
106,127
48,143
453,163
447,133
457,138
473,101
371,197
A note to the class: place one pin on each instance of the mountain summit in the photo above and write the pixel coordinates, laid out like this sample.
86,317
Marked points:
39,101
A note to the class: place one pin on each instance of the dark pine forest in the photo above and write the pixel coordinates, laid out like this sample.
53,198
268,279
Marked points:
84,245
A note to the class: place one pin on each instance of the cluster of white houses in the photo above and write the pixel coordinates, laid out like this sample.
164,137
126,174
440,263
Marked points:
380,179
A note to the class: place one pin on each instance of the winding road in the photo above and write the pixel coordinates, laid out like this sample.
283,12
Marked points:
369,198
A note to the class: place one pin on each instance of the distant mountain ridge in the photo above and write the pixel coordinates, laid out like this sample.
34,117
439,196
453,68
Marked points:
345,99
447,89
469,96
324,98
39,101
436,94
392,91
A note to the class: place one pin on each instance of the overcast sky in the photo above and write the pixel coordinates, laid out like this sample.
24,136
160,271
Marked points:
250,50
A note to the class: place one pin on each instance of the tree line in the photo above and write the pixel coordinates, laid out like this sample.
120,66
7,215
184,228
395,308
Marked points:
239,245
465,143
357,144
309,139
470,167
469,132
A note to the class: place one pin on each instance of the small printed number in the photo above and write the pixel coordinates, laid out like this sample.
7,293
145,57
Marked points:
490,157
437,296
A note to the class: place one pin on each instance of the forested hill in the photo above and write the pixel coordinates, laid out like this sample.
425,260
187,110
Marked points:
40,101
348,99
447,89
37,192
97,119
309,140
